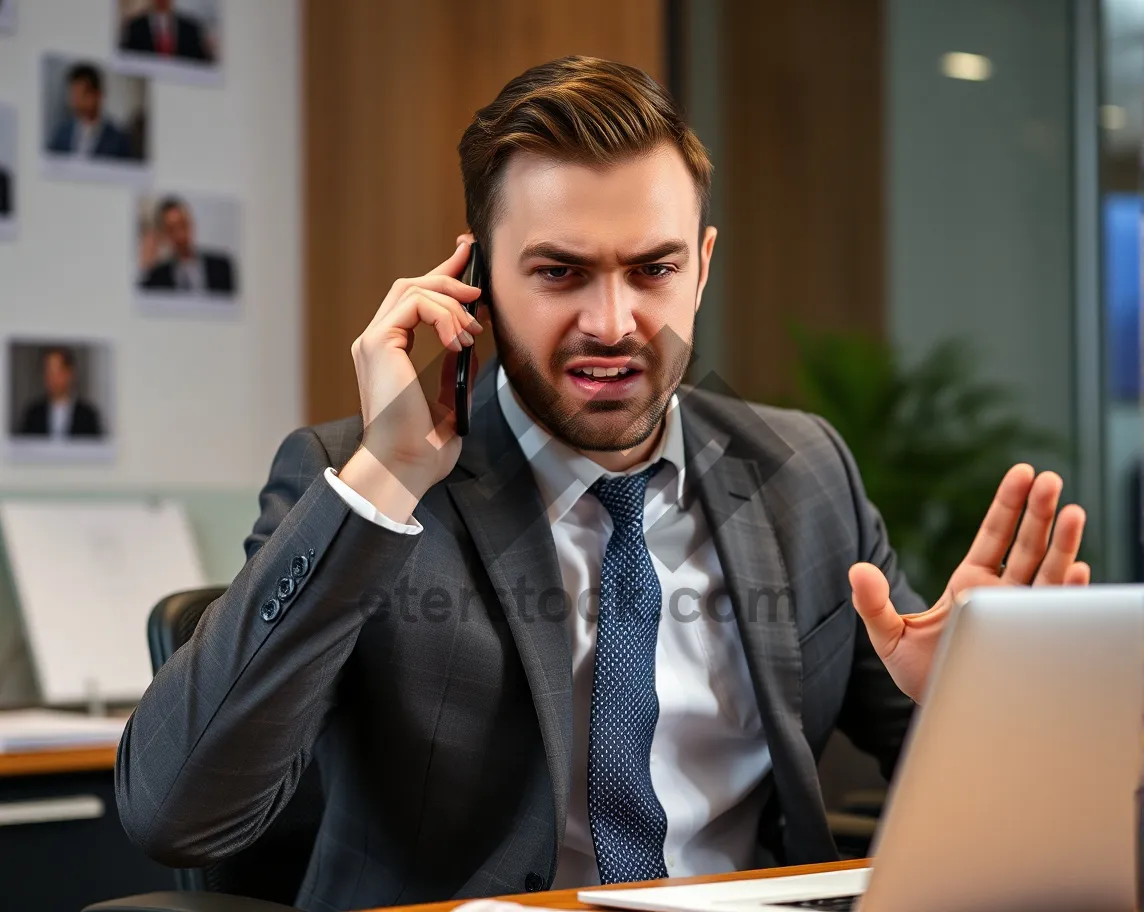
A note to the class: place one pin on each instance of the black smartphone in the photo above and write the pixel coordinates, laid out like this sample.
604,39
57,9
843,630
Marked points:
476,276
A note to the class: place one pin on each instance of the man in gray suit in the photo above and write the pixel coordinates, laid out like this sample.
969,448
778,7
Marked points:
608,636
87,132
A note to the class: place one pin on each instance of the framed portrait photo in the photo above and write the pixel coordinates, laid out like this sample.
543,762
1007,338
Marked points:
7,16
95,122
188,258
8,176
59,401
177,40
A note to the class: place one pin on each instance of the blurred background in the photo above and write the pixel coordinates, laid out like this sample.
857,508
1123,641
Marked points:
929,216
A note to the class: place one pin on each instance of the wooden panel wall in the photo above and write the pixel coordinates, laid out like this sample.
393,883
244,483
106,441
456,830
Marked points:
389,86
801,180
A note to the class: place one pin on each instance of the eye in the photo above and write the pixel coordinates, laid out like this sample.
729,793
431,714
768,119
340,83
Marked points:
657,270
555,273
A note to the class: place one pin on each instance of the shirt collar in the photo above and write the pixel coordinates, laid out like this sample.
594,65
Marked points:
563,475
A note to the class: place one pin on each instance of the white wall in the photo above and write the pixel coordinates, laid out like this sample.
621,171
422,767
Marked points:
201,404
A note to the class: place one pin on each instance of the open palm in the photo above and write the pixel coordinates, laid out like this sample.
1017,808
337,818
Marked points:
1041,547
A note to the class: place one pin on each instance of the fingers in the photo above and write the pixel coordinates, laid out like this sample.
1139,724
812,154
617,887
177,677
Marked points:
997,529
870,592
1079,574
421,306
1060,560
456,262
466,238
441,279
1028,550
439,284
467,325
397,320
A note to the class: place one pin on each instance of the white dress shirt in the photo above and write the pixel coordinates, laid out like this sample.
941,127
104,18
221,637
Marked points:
190,273
709,754
85,136
60,418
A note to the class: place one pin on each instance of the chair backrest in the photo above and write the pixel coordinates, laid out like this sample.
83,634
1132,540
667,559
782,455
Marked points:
273,867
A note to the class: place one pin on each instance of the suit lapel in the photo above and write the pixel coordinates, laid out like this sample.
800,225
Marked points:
503,511
734,498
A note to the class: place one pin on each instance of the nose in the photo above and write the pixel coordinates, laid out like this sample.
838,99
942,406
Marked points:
610,315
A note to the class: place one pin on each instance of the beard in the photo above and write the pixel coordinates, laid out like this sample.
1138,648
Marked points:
601,425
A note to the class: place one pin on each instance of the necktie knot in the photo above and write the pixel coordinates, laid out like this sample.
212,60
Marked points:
623,495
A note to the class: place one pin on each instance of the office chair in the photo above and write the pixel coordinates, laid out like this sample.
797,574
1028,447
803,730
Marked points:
266,876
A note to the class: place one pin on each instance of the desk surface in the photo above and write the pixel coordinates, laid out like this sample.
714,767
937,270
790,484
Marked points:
41,763
566,899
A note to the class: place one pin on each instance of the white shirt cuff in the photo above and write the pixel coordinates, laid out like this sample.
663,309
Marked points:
368,511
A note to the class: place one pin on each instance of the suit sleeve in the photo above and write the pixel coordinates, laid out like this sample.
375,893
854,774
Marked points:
875,714
123,148
134,35
196,45
32,422
221,737
221,277
158,276
87,421
61,138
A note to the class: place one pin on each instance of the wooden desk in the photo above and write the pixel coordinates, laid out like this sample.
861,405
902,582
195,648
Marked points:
69,760
61,843
566,899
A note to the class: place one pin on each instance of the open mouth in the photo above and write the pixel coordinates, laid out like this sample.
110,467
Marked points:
604,380
602,374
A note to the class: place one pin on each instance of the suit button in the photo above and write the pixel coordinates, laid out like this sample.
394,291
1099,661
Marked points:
533,883
285,588
271,608
299,566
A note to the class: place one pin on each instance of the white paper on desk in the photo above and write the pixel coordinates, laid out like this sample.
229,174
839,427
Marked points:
87,575
40,729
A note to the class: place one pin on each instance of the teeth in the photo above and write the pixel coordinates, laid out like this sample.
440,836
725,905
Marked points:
603,372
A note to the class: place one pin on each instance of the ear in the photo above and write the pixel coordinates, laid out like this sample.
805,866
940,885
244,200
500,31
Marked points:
706,250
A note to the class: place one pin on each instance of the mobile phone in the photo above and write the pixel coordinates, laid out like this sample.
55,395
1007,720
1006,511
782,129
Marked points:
476,276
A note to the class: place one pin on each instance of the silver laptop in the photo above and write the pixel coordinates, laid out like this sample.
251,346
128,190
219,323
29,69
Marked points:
1018,786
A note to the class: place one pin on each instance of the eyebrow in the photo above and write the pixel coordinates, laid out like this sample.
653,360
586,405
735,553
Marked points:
546,250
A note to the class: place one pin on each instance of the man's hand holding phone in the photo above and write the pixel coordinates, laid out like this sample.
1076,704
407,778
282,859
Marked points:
409,443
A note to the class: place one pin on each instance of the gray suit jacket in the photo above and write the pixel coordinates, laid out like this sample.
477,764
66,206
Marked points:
111,143
429,676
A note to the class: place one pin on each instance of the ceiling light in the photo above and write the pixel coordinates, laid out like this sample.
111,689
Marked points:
974,67
1113,117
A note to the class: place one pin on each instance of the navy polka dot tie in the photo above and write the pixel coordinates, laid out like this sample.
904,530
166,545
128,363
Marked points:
628,822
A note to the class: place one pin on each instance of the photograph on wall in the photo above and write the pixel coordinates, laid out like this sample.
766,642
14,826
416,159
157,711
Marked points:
95,121
170,39
187,254
7,173
59,400
7,16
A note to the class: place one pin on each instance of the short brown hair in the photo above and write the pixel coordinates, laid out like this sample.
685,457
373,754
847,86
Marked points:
580,109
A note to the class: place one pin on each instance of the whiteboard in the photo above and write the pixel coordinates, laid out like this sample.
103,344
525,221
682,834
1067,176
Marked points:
86,577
